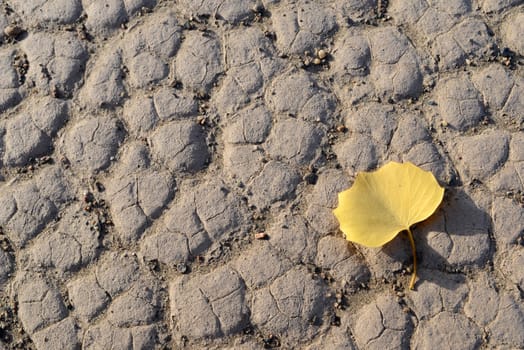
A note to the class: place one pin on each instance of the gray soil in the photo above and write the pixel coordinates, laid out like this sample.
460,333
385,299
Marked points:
168,171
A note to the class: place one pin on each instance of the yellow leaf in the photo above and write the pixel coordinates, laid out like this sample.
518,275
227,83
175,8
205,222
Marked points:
382,203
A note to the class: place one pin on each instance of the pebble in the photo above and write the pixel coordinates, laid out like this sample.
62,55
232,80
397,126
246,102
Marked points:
322,54
99,187
311,178
12,30
182,268
201,120
261,235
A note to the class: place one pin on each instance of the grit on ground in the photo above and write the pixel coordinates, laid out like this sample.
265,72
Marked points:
168,171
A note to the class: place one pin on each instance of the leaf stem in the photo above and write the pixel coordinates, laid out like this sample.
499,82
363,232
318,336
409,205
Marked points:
414,252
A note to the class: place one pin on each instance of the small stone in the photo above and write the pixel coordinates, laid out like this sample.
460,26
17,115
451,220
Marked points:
201,120
88,197
342,128
311,178
317,61
99,187
12,30
322,54
261,235
271,342
182,268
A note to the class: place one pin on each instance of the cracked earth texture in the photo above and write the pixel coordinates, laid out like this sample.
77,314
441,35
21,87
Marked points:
169,170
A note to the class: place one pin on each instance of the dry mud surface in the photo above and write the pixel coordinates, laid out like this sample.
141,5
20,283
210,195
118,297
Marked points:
169,170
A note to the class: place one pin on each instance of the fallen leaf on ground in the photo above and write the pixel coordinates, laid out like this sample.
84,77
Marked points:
383,203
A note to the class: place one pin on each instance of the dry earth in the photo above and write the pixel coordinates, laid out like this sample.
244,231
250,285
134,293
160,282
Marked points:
147,145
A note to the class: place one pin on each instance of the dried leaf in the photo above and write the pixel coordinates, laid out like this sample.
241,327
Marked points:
383,203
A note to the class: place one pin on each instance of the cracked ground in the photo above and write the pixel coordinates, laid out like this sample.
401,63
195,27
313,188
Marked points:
169,170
